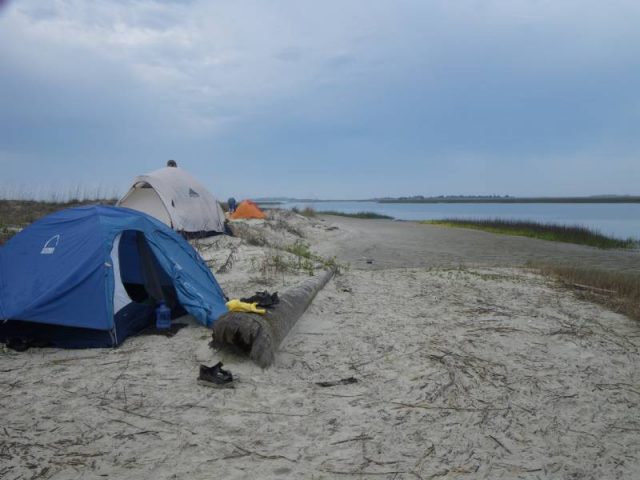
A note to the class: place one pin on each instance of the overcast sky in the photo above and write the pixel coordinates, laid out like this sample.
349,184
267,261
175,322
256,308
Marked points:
324,99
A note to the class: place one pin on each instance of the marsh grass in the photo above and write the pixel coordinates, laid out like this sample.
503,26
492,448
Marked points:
543,231
363,215
310,213
618,291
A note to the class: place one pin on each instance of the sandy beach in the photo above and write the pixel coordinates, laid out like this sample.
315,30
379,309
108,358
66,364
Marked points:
466,365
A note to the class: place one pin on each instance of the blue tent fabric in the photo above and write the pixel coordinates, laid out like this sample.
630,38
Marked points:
59,271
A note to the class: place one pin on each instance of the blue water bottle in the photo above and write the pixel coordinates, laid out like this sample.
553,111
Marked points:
163,317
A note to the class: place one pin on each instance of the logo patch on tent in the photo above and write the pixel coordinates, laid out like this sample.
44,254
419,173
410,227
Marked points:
193,193
50,245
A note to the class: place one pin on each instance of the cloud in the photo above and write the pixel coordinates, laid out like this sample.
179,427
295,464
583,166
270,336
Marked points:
371,89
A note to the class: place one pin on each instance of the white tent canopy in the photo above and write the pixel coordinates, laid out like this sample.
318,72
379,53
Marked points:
176,198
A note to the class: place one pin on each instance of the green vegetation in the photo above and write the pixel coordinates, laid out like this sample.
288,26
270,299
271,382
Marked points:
294,258
544,231
616,290
310,212
364,215
307,260
306,212
300,249
273,263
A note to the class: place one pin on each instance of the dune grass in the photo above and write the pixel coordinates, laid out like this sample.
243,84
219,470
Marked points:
6,233
17,214
618,291
544,231
305,212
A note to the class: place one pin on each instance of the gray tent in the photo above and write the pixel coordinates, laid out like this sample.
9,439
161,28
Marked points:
176,198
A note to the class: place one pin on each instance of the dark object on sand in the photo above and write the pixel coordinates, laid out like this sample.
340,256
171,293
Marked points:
215,376
342,381
165,332
263,299
20,344
260,335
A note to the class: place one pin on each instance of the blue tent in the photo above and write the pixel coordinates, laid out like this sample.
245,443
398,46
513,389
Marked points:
91,276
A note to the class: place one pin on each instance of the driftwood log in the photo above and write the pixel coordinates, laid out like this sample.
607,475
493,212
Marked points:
259,336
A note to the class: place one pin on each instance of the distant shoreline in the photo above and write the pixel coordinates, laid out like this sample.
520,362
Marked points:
629,199
611,199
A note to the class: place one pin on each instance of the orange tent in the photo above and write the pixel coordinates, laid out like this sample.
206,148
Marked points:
247,209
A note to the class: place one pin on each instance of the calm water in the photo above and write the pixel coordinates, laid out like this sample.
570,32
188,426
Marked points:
617,219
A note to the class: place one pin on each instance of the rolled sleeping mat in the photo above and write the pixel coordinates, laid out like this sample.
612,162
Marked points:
259,336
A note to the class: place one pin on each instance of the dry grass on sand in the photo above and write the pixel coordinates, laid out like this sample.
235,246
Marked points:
618,291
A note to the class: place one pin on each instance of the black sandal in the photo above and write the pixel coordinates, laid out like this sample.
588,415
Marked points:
215,376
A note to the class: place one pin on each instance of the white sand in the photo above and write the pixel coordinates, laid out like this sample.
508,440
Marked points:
462,373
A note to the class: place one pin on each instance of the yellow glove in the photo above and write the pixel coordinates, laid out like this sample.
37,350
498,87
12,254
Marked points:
236,305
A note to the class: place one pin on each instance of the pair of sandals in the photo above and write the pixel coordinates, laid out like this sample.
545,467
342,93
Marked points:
215,376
